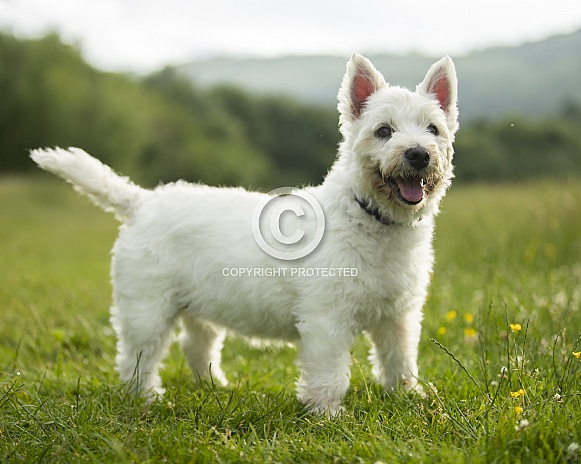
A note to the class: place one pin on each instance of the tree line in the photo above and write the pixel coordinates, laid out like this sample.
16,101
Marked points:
160,128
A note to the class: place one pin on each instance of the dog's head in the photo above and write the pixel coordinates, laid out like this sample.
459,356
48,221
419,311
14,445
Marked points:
397,144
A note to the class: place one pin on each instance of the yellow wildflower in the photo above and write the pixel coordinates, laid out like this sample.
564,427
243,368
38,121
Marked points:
442,330
518,393
577,354
530,253
518,410
451,315
468,318
469,332
515,327
550,251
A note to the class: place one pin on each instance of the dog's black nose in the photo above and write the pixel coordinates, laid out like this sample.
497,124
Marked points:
418,157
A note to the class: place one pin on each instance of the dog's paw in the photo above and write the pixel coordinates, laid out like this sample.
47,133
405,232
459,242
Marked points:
153,395
156,392
417,389
404,384
327,411
213,377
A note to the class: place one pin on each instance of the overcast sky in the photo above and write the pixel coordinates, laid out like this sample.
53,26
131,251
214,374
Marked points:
144,35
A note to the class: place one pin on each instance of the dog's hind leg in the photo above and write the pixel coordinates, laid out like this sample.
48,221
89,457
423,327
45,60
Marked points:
202,343
142,342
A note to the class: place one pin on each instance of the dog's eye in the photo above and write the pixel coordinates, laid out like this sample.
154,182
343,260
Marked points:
432,129
384,132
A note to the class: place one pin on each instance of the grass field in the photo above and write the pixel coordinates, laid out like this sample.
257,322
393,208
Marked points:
500,345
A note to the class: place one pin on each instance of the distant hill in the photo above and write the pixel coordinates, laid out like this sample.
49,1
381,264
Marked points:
534,79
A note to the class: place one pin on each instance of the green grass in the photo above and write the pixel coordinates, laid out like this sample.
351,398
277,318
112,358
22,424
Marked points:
505,255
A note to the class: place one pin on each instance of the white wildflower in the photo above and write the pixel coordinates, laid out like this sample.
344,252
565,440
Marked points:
573,452
523,424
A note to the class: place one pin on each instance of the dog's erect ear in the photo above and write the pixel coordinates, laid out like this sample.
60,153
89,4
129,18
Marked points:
441,83
359,82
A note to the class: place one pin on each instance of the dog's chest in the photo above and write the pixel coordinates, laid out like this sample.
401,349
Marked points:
393,272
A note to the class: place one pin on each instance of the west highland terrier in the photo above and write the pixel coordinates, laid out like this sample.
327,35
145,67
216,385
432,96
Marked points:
199,254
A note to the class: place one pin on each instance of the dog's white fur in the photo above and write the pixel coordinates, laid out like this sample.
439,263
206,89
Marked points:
176,241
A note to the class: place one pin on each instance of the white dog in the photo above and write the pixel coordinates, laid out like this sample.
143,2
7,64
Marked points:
188,251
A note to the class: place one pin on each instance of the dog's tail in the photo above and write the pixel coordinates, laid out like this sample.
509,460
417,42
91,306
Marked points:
89,176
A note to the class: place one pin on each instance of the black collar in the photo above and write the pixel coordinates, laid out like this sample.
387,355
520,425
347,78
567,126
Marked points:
374,212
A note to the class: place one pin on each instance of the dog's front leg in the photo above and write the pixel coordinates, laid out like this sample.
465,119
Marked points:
395,350
324,360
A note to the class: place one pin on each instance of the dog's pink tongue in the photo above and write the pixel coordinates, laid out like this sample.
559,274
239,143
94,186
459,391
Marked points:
411,189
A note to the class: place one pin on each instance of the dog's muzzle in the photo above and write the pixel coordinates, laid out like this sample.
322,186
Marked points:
414,179
410,188
413,183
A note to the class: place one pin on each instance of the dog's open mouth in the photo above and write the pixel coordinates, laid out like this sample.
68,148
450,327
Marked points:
410,190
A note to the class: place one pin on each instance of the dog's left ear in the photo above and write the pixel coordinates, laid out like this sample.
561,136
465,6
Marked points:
441,83
360,81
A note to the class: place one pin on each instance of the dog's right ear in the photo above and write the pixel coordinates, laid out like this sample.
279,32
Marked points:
359,82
